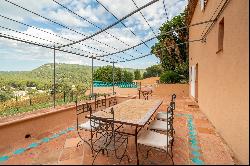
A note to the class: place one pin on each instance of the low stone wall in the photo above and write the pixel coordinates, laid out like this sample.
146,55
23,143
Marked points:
39,124
163,90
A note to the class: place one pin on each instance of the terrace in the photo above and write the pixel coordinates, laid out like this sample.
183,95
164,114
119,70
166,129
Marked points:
52,135
194,135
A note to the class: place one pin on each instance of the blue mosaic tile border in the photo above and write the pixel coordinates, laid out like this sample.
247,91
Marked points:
195,149
192,140
36,144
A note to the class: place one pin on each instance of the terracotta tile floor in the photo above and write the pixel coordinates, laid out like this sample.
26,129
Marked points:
196,142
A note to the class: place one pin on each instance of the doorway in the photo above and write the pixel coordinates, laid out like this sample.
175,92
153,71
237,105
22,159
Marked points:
196,82
192,80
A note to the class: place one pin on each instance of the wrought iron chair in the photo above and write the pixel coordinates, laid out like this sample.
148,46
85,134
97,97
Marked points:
145,95
159,141
82,126
173,97
112,101
109,138
159,125
163,115
98,103
104,101
92,96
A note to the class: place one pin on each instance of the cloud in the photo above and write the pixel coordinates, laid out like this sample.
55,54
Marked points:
95,15
154,14
66,18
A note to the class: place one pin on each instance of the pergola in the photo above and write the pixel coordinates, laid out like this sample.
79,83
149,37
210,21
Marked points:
70,45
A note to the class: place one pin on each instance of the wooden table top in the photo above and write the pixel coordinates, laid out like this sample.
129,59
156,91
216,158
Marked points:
132,111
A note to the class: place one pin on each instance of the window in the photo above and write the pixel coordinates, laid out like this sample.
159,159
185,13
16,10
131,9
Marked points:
221,35
203,4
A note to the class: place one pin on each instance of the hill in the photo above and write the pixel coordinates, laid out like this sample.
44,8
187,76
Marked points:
42,77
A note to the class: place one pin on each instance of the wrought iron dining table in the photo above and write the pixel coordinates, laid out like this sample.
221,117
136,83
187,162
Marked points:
132,112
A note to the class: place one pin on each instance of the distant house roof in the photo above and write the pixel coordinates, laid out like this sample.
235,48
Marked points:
19,93
190,10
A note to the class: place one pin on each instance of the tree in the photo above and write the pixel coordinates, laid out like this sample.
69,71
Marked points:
137,74
30,84
127,76
81,88
31,91
105,74
5,96
170,77
153,71
171,47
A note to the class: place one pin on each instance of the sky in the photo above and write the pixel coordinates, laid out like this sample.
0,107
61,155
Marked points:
67,27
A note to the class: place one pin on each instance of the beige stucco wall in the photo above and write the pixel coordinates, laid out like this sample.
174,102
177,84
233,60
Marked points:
224,77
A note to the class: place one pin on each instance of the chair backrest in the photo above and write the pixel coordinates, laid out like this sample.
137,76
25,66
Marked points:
139,93
81,109
172,104
146,94
170,113
170,127
98,103
112,101
104,101
173,97
103,126
109,119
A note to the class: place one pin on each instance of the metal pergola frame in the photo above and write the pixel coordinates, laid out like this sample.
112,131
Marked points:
60,47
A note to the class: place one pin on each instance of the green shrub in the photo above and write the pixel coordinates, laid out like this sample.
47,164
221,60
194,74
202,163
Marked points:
137,74
170,77
153,71
105,74
4,96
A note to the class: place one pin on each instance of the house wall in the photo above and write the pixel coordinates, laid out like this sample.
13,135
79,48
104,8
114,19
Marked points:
223,77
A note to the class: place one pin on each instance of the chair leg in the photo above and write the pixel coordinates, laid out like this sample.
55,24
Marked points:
172,157
168,154
96,156
82,139
107,153
78,144
128,156
148,153
123,155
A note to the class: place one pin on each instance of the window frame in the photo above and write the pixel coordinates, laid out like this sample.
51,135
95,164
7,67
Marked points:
221,32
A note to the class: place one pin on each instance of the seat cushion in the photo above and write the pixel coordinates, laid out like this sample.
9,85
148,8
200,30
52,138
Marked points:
158,125
86,126
154,139
162,115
